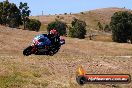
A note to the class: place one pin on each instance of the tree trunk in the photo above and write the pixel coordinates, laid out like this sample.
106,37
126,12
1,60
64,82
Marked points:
24,25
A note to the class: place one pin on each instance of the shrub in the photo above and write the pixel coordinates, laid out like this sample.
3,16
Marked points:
58,16
65,13
59,26
100,26
121,26
78,29
82,12
13,23
33,25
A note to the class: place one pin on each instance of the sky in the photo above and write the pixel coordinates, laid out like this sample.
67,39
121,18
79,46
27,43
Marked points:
70,6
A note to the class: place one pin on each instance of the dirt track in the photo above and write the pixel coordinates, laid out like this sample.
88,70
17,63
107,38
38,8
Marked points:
59,70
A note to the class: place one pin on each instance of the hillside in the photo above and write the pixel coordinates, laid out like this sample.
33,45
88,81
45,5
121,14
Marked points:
90,17
58,71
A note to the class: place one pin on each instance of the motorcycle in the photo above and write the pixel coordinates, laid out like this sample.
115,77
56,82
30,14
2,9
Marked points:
44,50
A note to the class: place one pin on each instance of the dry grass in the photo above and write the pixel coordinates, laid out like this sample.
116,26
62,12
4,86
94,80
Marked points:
59,71
104,38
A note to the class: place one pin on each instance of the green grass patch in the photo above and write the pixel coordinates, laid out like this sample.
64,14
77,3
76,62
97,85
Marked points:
12,81
26,74
40,84
43,27
40,72
36,74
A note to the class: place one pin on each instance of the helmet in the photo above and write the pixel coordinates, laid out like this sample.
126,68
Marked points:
53,31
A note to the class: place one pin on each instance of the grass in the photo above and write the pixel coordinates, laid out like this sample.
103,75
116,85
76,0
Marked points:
40,76
36,74
58,71
20,75
12,81
43,27
103,38
41,84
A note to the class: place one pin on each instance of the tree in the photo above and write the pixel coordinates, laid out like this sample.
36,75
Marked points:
14,17
121,26
25,12
59,26
9,14
33,24
78,29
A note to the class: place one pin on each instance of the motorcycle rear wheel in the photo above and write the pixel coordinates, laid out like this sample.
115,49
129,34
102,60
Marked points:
51,53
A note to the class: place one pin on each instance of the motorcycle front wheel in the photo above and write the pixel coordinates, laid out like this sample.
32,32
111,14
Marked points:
27,51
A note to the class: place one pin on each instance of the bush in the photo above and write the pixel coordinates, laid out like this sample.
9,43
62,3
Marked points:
100,26
13,23
58,16
33,25
65,13
59,26
82,12
78,29
121,26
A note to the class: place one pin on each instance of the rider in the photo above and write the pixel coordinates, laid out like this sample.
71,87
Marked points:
54,37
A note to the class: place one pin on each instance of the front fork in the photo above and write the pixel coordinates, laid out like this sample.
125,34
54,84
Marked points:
34,49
